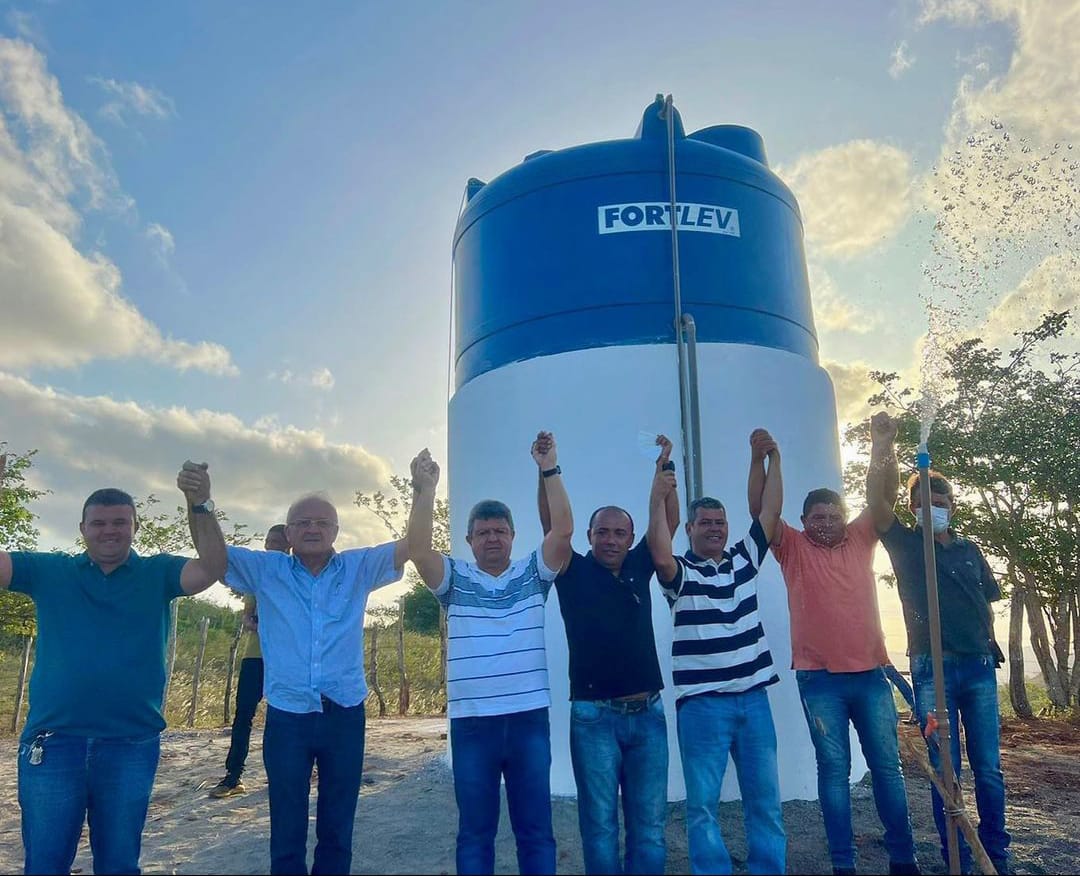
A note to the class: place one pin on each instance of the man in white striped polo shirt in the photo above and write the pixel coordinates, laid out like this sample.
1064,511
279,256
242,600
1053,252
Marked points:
497,680
721,665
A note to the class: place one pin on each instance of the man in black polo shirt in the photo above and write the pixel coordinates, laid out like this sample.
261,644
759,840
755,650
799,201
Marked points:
966,587
618,731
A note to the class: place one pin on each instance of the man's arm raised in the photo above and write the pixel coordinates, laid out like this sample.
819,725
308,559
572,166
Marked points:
883,473
664,491
772,492
212,561
556,547
428,561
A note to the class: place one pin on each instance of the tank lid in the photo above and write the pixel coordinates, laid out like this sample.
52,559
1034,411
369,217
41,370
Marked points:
737,138
653,125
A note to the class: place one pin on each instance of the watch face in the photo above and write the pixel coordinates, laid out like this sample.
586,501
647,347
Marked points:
209,506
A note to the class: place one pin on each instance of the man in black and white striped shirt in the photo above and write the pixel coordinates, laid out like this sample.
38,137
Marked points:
721,664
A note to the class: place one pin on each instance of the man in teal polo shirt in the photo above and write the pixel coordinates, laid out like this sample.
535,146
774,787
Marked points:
90,748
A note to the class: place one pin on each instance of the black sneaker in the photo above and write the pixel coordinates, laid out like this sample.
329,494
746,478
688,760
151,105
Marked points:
910,868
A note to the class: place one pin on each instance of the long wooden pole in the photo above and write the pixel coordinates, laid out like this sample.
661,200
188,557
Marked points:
24,668
934,610
204,628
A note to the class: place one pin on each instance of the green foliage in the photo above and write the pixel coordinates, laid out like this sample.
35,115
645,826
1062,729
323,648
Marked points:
17,533
426,696
1006,436
421,610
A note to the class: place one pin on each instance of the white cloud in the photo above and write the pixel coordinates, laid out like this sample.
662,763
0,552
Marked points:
63,305
835,312
89,442
901,60
320,378
1053,285
1005,190
24,25
130,98
162,240
853,387
853,196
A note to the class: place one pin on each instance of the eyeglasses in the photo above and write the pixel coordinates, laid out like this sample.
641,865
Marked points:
307,523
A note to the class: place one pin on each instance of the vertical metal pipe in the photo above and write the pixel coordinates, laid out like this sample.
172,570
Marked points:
693,475
691,461
934,610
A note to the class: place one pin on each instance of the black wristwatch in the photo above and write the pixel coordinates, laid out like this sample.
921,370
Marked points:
548,472
206,507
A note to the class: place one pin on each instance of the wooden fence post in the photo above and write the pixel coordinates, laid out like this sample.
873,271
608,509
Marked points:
204,628
23,669
403,689
170,649
233,649
374,674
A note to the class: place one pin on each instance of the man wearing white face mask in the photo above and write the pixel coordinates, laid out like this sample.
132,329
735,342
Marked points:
966,587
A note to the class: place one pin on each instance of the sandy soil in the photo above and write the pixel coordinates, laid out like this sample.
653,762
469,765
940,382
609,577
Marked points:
406,818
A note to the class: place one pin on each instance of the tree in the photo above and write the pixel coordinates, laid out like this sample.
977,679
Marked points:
422,613
17,533
1006,435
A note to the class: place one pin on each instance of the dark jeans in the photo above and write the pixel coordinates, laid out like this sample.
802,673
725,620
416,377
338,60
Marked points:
292,744
517,746
971,692
621,746
105,781
832,701
249,693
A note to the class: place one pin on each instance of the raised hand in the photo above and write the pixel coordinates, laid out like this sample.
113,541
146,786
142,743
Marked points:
543,451
883,428
664,481
424,471
761,445
194,482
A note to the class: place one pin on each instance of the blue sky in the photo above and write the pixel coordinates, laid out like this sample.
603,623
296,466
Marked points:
226,228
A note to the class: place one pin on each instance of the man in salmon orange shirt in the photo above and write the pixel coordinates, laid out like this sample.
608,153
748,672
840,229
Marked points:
838,652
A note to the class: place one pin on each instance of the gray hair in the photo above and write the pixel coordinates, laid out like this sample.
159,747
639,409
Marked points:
490,509
319,496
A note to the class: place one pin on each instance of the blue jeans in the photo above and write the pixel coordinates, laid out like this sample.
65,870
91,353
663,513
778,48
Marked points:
104,781
517,746
901,684
623,746
710,728
292,744
971,691
831,700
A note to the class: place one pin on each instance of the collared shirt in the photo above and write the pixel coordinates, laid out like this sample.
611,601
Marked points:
966,587
99,669
311,627
832,598
496,660
609,626
719,645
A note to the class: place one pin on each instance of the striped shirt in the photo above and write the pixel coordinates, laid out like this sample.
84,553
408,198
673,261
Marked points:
718,644
496,661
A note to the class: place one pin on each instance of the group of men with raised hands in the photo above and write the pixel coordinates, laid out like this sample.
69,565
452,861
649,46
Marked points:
91,743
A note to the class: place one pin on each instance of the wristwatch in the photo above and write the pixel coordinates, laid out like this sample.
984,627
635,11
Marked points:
548,472
206,507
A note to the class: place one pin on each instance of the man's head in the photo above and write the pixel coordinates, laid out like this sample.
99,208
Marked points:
491,535
611,532
707,527
824,517
276,539
941,497
311,527
108,526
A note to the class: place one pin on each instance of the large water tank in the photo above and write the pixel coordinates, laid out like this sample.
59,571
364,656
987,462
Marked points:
564,320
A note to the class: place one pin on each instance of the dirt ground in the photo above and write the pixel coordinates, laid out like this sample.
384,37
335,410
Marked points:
406,819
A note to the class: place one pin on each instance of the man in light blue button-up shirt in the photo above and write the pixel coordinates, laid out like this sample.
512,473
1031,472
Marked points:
311,629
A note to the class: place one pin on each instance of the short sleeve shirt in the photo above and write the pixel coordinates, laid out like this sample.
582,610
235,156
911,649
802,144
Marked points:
311,627
496,660
966,587
832,598
609,626
99,669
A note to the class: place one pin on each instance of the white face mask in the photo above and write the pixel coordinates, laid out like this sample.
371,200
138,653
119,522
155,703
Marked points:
939,518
